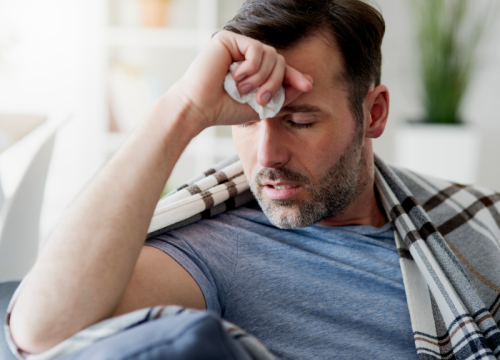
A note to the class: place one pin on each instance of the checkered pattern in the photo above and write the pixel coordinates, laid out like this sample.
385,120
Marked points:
219,189
449,251
448,240
109,327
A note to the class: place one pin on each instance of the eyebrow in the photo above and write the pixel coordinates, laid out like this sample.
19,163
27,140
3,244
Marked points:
299,109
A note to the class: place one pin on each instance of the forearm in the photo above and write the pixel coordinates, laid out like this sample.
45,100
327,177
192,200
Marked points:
85,266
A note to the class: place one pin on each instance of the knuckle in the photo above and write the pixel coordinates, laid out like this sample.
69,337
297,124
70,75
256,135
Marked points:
257,45
260,48
269,50
252,66
220,34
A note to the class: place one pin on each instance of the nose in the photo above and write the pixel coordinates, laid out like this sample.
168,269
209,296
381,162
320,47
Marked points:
272,151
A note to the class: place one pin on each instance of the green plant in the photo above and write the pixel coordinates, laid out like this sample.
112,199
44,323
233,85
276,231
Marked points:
448,33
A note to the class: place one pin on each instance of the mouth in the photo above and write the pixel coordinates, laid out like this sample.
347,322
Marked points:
281,187
280,191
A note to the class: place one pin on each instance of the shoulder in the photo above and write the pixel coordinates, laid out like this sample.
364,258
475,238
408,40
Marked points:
431,192
467,216
225,225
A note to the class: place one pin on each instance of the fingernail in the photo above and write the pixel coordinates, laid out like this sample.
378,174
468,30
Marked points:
266,97
246,88
241,77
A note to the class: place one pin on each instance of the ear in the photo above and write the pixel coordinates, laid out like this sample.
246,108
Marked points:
376,110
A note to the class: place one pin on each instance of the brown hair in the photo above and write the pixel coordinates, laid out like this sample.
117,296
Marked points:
356,26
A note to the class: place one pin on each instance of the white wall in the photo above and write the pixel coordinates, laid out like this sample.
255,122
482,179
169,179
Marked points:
52,60
399,73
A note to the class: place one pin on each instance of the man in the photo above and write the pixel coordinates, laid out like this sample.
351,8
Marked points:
317,274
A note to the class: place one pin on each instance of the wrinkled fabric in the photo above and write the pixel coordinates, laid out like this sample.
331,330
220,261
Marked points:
156,333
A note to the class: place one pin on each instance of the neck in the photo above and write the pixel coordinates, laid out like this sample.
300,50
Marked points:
365,209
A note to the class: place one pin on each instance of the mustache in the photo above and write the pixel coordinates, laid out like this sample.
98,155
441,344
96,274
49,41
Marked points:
281,174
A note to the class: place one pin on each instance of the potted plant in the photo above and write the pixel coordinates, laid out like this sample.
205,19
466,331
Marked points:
442,144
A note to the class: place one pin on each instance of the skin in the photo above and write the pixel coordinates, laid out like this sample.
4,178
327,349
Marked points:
330,132
94,265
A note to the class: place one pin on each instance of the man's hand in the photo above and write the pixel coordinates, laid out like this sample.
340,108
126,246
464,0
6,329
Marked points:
86,265
201,88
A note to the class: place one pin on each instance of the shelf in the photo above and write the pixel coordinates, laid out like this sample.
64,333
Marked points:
136,37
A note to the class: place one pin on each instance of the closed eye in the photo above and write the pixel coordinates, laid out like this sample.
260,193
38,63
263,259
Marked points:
250,123
299,126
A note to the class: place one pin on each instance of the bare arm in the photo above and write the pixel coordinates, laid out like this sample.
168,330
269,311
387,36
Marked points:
84,268
149,285
87,265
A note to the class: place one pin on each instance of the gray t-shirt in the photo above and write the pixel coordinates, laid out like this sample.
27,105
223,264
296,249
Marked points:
312,293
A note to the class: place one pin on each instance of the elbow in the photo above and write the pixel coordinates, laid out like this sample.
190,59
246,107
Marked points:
29,336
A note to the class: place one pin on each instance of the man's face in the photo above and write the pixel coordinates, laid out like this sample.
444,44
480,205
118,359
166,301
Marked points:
306,164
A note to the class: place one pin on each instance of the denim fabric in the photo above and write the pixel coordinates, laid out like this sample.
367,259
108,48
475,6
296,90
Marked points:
187,337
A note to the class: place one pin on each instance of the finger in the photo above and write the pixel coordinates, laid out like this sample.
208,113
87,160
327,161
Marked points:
272,85
291,94
298,80
309,78
260,77
254,54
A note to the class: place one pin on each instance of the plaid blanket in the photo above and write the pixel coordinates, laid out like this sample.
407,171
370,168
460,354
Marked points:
448,240
447,237
104,329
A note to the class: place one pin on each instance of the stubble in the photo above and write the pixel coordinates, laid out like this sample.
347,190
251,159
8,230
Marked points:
327,197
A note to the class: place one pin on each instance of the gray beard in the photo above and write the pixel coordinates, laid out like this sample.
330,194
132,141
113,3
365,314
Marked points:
328,197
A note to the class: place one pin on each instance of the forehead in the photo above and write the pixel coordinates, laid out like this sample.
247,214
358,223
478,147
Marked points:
318,56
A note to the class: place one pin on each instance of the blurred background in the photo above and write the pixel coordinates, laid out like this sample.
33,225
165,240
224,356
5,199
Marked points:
104,63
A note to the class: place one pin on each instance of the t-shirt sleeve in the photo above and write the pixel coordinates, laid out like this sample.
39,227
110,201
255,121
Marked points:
208,250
